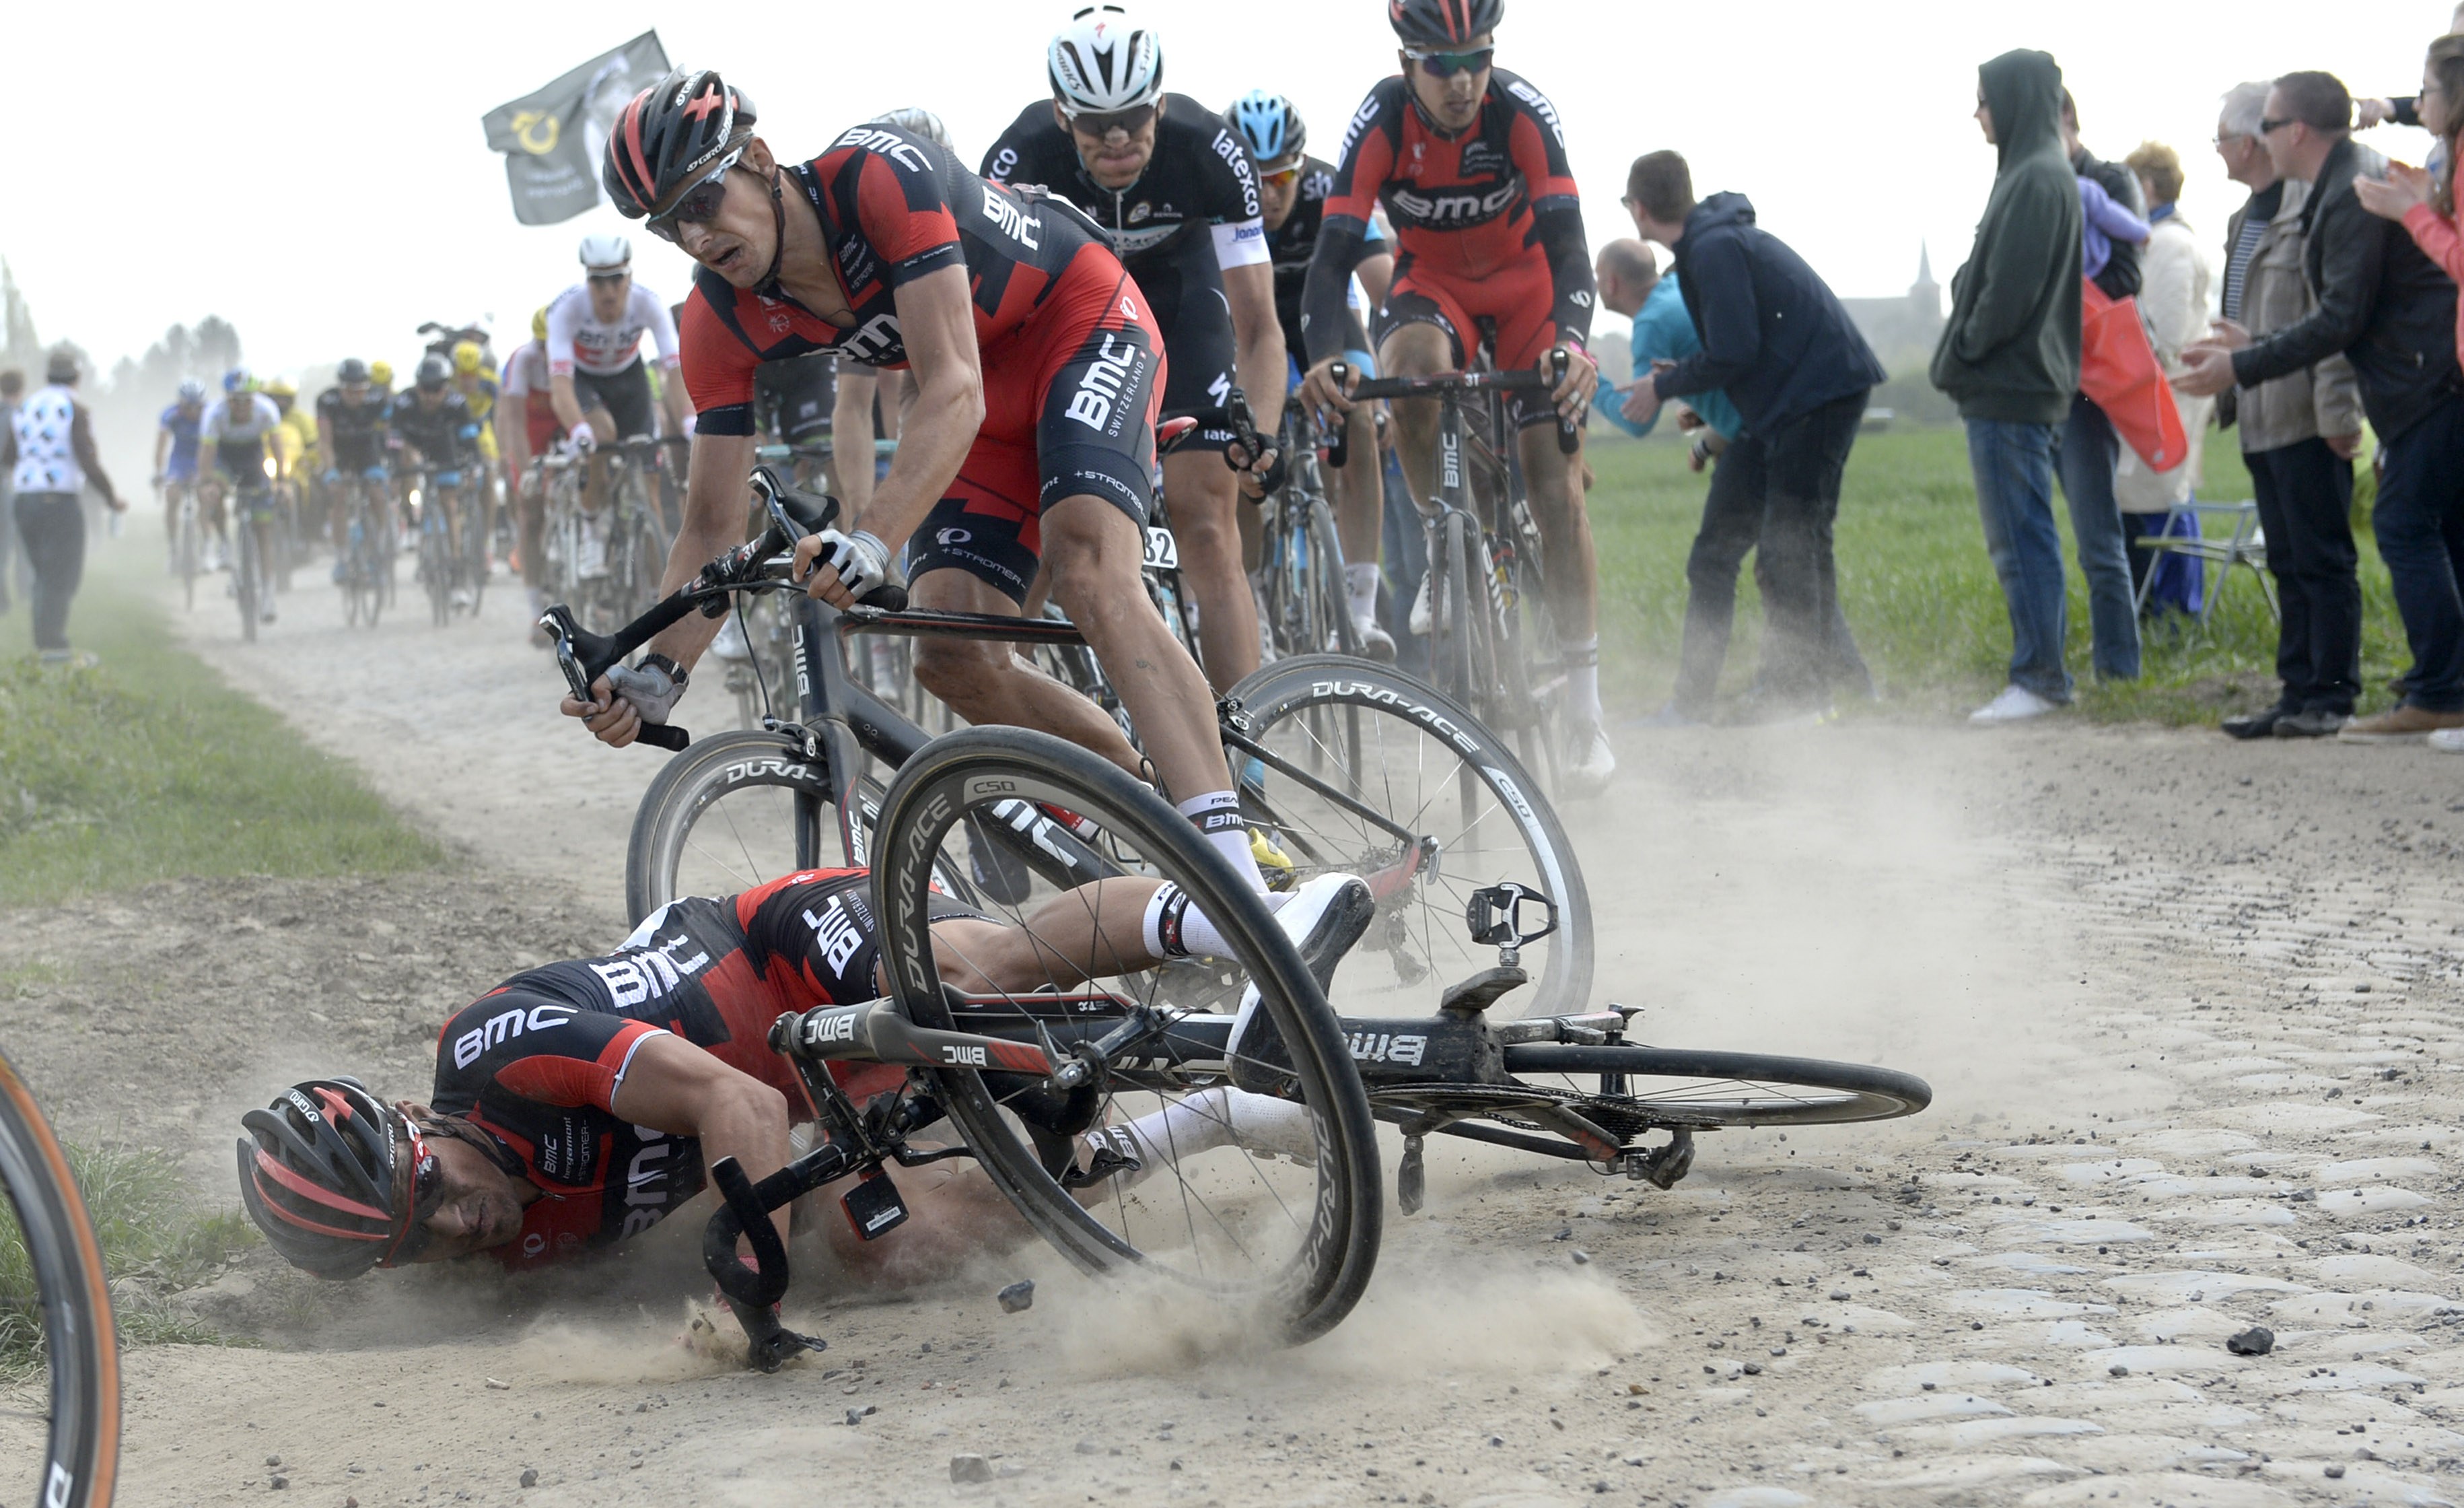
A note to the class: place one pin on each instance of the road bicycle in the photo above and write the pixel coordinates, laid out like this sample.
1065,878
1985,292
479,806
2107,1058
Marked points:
367,549
605,565
187,538
1308,605
250,509
55,1301
1492,643
446,541
1351,767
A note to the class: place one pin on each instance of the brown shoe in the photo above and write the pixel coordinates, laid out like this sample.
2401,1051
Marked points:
2404,724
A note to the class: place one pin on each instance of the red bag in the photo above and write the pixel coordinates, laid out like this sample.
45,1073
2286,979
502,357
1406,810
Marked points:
2118,368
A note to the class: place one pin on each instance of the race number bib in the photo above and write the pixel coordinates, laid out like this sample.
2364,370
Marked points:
1163,552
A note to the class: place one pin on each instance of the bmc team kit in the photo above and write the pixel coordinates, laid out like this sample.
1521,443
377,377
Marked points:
1003,821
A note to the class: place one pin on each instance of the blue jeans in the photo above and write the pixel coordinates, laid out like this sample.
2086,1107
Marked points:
2090,452
2419,518
2014,497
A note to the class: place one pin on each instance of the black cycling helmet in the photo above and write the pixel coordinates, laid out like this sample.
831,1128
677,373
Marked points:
1443,23
673,135
352,372
316,1175
434,372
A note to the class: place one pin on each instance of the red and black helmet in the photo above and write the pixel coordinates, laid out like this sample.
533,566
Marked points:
1443,23
316,1174
686,127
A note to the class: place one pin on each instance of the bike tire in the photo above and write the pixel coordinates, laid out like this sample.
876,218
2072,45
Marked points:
81,1453
1331,596
739,846
1384,737
1708,1089
188,556
1310,1290
247,572
435,566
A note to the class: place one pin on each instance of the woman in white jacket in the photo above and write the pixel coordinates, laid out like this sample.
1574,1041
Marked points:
2173,304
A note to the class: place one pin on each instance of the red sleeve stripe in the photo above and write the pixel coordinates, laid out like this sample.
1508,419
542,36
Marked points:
572,1082
267,1166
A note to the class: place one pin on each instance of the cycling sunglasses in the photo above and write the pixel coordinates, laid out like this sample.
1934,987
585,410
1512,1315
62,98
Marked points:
1097,125
1282,175
1445,65
427,1197
698,206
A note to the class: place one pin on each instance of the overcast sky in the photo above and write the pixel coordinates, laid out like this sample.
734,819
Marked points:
322,182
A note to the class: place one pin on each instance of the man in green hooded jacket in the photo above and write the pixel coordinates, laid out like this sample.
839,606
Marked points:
2010,358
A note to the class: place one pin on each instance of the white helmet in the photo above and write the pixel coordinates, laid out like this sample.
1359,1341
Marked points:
606,256
1104,61
916,121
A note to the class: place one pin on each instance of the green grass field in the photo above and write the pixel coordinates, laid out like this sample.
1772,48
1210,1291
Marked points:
148,766
1921,595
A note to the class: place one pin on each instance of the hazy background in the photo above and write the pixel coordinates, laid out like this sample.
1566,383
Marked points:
324,185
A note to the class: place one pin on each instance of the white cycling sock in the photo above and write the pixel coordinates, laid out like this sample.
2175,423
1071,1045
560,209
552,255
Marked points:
1210,1119
1362,582
1218,815
1583,681
1173,927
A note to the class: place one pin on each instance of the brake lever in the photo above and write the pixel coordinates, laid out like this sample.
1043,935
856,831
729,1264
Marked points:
559,621
1338,448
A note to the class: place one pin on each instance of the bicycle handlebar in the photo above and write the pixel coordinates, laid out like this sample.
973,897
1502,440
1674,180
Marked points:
1522,379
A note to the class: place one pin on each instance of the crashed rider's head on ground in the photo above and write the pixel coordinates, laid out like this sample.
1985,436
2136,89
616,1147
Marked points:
340,1182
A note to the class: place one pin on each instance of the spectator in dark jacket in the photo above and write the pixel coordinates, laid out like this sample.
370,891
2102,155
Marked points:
1784,351
2010,358
2390,310
2091,450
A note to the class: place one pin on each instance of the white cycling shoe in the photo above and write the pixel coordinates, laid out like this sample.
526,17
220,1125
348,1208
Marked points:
1324,917
730,644
1375,643
1590,761
1425,618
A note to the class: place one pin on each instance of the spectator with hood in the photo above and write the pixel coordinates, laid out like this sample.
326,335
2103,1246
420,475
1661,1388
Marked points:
2389,309
2010,358
1782,348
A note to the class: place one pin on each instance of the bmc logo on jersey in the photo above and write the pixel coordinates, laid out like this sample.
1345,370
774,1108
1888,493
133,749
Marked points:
512,1024
1114,369
1540,106
875,339
835,935
1458,209
645,1183
1009,217
650,973
888,144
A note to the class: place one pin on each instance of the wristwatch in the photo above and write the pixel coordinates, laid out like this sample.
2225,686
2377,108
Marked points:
675,673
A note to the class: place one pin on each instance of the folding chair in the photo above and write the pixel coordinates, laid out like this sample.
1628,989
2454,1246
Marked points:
2244,546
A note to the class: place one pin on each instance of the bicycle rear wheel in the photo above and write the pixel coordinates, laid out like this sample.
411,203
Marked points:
1372,750
1287,1244
1667,1087
55,1301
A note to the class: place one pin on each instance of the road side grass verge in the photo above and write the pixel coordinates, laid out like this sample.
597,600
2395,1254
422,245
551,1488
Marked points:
1921,596
153,1245
146,766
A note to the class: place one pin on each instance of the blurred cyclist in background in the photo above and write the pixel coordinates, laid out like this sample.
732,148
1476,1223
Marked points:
175,461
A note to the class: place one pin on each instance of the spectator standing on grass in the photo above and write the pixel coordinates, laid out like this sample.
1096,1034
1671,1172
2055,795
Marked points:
2173,304
12,392
1784,351
2010,358
2390,309
2425,207
2091,454
50,444
2298,435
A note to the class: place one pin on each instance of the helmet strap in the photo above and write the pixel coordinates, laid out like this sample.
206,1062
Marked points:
768,287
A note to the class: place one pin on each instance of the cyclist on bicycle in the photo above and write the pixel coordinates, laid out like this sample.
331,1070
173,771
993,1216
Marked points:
241,430
175,458
1292,188
351,436
436,430
526,426
1177,198
524,1150
1030,438
597,382
1470,164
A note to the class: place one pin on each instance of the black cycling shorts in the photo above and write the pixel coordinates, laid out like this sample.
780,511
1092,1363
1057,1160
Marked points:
1070,409
626,395
794,398
1185,288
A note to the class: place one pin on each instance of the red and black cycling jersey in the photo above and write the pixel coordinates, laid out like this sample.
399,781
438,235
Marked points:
536,1061
892,207
1462,208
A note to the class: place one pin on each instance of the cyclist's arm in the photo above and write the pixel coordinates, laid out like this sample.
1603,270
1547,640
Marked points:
938,319
1258,336
1376,270
512,437
852,434
1323,301
562,397
161,449
678,1088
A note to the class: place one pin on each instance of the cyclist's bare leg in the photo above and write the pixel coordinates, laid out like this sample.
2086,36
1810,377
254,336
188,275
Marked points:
209,506
594,475
1553,484
1417,350
986,682
1205,497
1094,553
531,508
1361,491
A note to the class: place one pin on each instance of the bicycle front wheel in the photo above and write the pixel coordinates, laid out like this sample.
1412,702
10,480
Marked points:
1268,1202
53,1300
1670,1087
1384,778
736,811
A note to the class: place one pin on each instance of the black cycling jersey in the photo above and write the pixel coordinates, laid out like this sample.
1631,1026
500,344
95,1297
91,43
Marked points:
359,428
1292,245
536,1061
446,436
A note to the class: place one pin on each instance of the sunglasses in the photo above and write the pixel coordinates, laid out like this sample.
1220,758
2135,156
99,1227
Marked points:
1445,65
427,1196
2270,128
1282,175
1096,125
698,206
